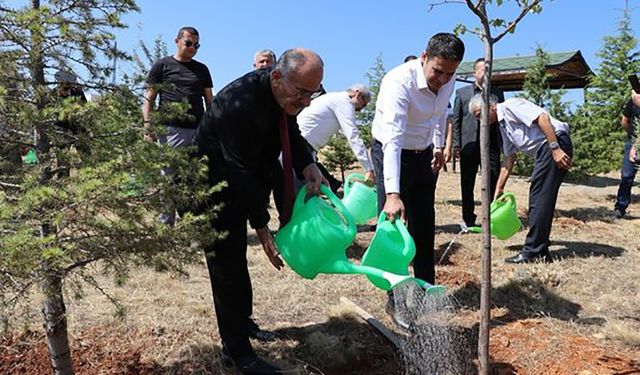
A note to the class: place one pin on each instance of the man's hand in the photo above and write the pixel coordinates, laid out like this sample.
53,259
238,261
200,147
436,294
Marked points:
635,98
394,207
314,178
369,178
498,193
632,154
438,159
563,161
269,247
448,153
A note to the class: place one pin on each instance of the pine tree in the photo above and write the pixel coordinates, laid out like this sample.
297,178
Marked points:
597,135
73,207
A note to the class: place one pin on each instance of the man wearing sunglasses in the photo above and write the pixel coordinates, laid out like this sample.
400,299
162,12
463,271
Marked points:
181,81
250,122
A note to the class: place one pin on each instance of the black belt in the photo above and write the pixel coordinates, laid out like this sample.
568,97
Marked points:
408,151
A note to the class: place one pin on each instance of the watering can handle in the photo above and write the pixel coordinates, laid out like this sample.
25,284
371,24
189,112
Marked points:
348,183
406,236
338,204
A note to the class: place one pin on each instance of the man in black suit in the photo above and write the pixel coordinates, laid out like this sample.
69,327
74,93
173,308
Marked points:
249,123
466,144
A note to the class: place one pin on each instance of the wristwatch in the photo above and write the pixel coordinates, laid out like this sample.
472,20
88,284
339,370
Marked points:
554,145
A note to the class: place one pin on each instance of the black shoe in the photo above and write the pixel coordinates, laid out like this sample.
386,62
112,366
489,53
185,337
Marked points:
257,366
256,333
398,318
529,258
618,213
249,365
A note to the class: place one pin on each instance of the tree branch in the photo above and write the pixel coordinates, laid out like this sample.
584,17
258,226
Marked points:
515,22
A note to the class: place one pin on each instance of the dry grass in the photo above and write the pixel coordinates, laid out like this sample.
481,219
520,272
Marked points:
591,290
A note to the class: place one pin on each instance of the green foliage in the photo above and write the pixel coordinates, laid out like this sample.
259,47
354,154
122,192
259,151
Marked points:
95,193
597,135
537,89
337,155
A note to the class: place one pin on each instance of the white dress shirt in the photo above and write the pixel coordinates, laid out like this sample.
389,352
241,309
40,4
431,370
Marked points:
328,114
520,131
408,116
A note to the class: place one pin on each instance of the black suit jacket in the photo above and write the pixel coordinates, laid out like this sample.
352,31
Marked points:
240,135
465,125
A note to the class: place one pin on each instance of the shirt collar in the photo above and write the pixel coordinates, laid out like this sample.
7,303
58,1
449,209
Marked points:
500,112
422,82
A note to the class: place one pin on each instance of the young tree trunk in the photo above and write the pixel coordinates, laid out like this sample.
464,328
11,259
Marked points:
55,325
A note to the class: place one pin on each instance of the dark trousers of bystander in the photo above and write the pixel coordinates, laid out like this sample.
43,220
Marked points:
469,163
546,179
629,170
417,185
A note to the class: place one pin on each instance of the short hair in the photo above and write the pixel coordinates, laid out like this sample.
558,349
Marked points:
291,60
362,89
445,45
479,59
477,100
410,57
190,29
264,52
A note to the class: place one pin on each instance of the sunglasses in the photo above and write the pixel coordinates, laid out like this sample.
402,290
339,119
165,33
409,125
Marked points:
189,43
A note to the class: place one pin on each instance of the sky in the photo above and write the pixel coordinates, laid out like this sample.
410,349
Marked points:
350,34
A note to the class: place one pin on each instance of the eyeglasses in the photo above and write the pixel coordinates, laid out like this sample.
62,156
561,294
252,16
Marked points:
301,93
189,43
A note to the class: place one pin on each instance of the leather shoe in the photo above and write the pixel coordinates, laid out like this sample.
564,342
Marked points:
529,258
261,335
250,364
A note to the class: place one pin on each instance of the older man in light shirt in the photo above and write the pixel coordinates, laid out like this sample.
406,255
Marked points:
333,112
528,128
409,129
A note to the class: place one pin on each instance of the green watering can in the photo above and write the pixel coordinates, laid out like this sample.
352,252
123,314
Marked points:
360,200
391,250
315,239
504,217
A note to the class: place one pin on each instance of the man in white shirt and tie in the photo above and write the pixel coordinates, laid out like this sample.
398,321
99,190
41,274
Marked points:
409,131
333,112
528,128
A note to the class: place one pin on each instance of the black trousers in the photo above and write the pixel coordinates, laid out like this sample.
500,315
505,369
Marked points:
546,179
229,275
417,186
469,163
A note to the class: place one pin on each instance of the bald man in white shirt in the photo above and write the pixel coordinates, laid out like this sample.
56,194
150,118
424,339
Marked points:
333,112
409,130
528,128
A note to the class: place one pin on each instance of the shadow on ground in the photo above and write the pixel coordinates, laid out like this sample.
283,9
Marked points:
578,249
337,346
523,298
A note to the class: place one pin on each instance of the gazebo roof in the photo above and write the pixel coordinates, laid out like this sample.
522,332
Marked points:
569,69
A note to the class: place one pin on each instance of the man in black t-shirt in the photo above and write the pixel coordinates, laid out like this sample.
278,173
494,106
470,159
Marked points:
630,116
178,79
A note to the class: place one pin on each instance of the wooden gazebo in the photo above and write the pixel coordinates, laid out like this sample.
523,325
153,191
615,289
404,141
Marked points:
569,70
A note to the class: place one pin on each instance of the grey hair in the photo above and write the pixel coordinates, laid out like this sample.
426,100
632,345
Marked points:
263,52
362,89
477,100
292,59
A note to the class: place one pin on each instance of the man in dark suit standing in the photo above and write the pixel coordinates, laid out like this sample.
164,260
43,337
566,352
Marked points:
466,144
250,122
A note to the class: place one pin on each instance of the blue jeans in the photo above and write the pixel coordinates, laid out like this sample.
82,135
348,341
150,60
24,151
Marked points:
628,175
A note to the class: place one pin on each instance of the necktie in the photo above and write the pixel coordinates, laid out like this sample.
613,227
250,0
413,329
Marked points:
287,166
